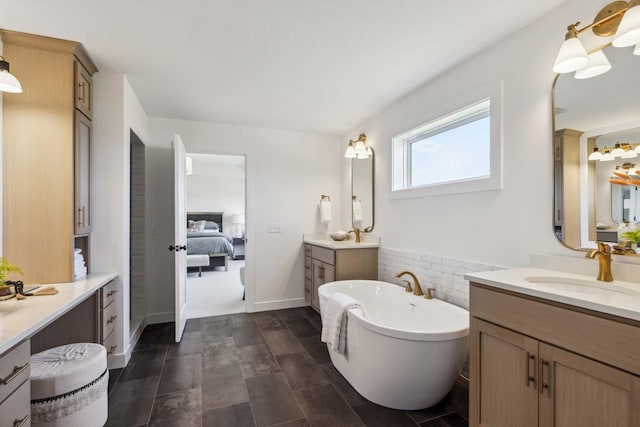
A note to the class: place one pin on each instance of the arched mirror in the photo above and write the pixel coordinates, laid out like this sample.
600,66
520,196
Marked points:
362,192
597,199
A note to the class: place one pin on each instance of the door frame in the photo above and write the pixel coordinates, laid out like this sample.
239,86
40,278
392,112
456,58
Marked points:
249,203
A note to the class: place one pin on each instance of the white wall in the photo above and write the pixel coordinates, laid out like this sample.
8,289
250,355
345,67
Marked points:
494,227
286,173
217,185
116,110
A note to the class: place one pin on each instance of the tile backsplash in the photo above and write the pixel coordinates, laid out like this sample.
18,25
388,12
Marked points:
446,275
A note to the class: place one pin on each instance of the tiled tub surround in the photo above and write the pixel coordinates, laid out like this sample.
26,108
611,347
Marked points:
446,275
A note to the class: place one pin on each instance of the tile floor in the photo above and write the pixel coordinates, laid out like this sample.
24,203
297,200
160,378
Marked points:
259,369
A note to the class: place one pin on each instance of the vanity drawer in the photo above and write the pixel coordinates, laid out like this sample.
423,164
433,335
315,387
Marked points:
323,254
307,267
16,410
109,293
109,318
307,250
110,344
14,369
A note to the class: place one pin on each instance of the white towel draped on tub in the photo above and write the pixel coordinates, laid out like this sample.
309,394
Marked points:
334,324
325,211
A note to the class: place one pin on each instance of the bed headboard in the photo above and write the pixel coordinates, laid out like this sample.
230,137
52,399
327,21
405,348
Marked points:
208,216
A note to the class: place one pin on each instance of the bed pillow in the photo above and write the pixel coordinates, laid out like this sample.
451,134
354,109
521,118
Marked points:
199,225
190,224
210,225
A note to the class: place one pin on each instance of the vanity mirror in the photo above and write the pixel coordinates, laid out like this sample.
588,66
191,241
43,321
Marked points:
362,192
597,199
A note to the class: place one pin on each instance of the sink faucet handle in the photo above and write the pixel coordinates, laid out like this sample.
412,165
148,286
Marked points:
429,294
408,288
603,247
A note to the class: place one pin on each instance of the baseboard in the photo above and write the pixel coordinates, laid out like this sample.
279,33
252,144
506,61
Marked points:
153,318
133,340
119,360
280,304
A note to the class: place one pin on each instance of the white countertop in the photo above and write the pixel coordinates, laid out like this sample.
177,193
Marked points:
367,241
627,306
20,319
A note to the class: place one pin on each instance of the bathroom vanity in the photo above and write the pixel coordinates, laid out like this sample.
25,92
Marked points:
326,261
550,348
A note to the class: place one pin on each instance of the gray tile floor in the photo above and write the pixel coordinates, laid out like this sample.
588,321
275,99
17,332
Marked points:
259,369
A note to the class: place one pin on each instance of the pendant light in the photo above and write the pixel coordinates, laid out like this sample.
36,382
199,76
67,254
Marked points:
8,82
351,152
598,64
596,155
607,156
572,55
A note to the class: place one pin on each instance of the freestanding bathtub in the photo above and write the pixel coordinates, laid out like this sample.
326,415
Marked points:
404,352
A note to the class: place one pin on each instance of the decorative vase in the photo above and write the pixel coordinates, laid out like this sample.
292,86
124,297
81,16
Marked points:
7,292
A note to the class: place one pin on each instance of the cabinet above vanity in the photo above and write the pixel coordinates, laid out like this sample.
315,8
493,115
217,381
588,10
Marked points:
326,261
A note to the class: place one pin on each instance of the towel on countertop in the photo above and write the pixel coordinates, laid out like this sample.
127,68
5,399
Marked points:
334,324
325,211
357,211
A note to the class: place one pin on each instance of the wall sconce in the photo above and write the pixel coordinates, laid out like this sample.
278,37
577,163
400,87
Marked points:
189,166
8,82
626,174
620,19
624,150
358,148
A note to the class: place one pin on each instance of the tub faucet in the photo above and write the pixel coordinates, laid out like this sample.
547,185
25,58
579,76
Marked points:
356,231
604,261
417,290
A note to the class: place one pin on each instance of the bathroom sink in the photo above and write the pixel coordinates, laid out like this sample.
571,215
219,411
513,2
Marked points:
580,285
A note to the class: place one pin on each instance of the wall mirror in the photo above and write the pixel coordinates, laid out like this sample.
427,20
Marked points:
362,192
592,201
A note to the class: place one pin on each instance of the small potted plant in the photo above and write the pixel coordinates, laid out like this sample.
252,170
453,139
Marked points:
6,290
634,236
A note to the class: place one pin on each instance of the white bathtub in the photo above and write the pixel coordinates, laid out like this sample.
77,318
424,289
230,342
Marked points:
407,351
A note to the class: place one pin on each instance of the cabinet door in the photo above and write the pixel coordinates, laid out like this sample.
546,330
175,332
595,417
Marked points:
321,273
83,101
503,390
581,392
82,176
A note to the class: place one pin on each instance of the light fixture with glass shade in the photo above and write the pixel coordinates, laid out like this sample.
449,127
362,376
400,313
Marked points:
358,148
596,155
607,156
620,19
623,150
8,82
617,150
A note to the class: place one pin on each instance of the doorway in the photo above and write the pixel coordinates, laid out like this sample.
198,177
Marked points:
216,206
137,221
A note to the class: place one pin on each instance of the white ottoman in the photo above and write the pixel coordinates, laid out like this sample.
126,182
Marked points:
198,261
69,386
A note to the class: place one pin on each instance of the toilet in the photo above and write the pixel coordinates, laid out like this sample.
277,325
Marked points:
69,386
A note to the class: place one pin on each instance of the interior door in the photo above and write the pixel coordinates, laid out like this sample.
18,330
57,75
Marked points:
180,232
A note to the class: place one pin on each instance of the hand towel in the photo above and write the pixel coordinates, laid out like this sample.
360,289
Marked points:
334,324
325,211
357,211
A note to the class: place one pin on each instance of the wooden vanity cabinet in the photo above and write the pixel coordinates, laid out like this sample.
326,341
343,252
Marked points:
46,155
323,265
538,363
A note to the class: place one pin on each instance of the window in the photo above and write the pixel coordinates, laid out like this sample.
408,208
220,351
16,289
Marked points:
453,154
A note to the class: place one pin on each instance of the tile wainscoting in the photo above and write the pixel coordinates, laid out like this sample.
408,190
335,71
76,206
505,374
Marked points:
446,275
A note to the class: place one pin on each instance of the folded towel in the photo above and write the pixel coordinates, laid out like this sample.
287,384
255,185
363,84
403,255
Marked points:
325,211
357,211
334,323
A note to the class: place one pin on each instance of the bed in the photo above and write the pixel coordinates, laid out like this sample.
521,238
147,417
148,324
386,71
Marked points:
205,236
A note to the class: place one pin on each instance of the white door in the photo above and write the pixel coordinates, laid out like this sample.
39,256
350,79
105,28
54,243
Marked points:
180,233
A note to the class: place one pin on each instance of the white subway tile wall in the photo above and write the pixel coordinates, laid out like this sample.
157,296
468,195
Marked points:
446,275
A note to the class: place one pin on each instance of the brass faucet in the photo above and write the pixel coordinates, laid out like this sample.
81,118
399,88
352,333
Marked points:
417,290
356,231
604,261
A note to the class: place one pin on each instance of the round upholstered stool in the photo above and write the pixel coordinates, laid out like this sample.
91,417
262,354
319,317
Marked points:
69,386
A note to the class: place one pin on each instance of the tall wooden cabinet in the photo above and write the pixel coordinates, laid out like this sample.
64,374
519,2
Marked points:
323,265
46,156
543,364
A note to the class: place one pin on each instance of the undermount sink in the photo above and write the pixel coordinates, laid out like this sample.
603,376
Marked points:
581,285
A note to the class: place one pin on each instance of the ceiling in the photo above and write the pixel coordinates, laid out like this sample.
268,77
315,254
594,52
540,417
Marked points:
318,66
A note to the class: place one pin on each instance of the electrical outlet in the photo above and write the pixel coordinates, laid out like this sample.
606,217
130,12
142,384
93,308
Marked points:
275,227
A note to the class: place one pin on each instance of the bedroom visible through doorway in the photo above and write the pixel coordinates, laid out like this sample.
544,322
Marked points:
216,206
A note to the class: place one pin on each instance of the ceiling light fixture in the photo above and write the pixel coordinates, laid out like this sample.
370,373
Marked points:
620,19
624,150
358,148
8,82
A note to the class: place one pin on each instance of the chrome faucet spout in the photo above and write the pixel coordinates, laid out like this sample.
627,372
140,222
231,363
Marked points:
417,290
603,253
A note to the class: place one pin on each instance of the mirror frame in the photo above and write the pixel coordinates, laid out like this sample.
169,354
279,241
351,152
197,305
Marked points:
368,229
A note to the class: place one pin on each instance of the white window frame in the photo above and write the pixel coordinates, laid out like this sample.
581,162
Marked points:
463,113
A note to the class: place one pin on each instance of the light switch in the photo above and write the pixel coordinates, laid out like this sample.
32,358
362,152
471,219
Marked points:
275,227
